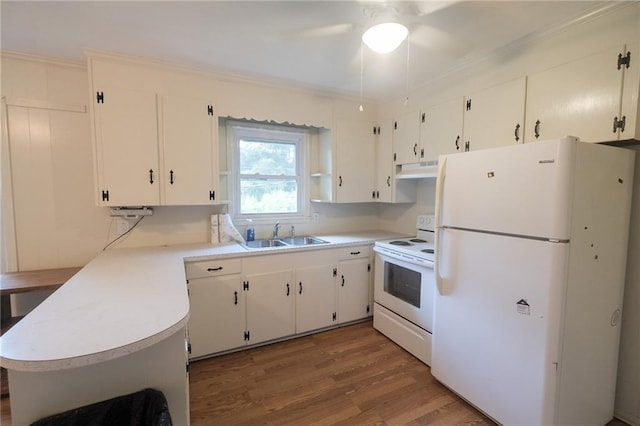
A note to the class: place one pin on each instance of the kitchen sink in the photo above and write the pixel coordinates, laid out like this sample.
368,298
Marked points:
265,243
303,240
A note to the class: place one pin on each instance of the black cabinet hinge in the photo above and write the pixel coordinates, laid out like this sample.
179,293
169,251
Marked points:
335,272
368,308
209,109
245,285
466,146
189,347
212,195
335,316
99,97
375,130
468,104
247,335
422,153
105,195
186,367
368,267
395,125
619,124
394,156
624,60
423,117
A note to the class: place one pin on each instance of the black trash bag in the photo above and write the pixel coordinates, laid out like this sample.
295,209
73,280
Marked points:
144,408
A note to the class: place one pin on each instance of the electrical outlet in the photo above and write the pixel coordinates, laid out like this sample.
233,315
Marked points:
122,225
315,217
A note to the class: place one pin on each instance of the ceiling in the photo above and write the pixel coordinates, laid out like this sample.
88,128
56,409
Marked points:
309,43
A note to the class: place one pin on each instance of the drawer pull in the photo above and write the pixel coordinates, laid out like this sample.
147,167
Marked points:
355,253
219,268
235,295
288,289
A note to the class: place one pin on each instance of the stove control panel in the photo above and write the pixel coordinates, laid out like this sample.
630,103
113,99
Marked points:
426,222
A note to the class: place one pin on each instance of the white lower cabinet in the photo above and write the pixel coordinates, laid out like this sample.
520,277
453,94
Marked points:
315,296
217,306
270,299
248,301
217,321
354,284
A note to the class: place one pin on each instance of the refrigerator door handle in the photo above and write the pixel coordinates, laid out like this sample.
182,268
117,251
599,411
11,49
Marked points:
438,228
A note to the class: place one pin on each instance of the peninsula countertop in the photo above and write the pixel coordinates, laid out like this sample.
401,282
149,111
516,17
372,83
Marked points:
124,300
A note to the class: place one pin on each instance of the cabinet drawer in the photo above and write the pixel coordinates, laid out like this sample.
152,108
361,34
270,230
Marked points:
213,268
355,252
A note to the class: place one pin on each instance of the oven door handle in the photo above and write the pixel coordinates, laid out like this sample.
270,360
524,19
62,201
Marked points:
438,227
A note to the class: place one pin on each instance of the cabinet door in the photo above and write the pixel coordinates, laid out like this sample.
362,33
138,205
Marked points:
353,289
126,137
270,301
580,98
495,116
384,160
315,298
217,314
355,157
406,136
441,129
189,135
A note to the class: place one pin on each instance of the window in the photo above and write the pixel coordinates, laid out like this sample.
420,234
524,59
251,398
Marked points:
269,171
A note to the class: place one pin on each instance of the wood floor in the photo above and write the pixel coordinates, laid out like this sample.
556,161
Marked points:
351,376
348,376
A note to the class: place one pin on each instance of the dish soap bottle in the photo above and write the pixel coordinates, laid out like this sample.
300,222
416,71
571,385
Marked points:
251,232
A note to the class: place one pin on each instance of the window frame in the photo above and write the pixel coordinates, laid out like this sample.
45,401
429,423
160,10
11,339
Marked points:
237,130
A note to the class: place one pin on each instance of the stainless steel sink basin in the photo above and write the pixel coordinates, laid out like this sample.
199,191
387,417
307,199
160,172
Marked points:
303,240
265,243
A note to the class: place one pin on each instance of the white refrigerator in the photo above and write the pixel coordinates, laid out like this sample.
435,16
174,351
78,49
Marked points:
531,248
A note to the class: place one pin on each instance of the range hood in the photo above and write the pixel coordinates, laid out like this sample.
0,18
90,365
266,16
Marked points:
423,170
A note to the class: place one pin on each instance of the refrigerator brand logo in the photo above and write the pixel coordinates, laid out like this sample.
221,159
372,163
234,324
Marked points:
547,161
523,307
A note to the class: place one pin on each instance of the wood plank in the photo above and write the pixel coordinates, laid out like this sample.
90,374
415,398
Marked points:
46,279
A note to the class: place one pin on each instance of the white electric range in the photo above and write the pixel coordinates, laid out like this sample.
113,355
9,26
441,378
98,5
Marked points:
404,289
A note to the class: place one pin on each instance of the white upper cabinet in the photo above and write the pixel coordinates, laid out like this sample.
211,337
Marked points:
126,136
385,173
441,129
406,138
189,134
143,161
495,116
583,98
388,188
355,160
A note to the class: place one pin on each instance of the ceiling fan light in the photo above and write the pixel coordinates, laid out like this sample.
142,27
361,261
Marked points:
385,38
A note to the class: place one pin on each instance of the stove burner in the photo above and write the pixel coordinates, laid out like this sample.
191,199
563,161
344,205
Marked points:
418,240
427,251
400,243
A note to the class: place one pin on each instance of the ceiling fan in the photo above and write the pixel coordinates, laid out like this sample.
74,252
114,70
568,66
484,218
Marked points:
414,15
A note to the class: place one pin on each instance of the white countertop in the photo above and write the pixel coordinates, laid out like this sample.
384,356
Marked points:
124,300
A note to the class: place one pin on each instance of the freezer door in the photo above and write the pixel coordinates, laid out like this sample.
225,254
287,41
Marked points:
522,189
497,322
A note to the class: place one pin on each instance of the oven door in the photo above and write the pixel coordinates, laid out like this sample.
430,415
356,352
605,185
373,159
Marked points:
405,288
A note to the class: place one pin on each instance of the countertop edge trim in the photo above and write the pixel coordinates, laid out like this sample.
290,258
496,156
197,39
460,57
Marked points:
95,358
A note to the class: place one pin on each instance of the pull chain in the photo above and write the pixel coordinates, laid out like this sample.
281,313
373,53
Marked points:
406,100
361,72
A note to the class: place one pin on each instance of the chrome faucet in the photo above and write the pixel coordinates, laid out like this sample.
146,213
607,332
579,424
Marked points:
275,230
